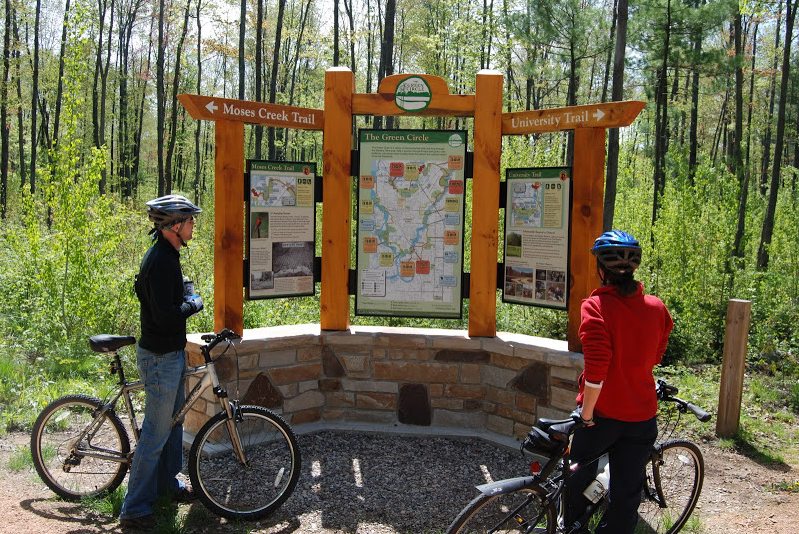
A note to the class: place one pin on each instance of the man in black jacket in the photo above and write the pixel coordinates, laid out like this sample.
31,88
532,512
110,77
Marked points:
161,359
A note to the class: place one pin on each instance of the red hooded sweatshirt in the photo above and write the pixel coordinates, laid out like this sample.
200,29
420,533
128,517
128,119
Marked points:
623,340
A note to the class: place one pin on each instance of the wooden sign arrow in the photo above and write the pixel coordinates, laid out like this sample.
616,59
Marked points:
608,115
211,109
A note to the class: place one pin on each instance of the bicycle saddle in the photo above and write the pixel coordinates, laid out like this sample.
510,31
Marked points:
110,343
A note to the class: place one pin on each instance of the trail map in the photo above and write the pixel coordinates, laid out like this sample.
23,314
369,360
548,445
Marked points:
410,223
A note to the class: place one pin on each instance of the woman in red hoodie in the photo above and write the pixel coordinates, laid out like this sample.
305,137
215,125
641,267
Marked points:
624,334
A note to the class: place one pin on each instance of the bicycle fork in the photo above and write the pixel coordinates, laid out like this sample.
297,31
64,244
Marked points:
233,411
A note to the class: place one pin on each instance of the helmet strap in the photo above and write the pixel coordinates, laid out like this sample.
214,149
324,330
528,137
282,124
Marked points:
177,232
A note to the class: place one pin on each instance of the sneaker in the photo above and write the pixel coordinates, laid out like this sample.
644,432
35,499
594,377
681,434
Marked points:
185,495
144,522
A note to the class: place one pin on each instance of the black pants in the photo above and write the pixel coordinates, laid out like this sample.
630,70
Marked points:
629,446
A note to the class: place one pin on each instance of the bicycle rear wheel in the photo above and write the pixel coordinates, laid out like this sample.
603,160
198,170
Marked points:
673,483
514,512
65,461
237,491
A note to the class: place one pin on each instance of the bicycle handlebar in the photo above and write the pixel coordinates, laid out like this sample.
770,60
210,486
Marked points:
668,392
213,340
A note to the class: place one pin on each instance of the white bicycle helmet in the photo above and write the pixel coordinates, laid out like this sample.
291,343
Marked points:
167,210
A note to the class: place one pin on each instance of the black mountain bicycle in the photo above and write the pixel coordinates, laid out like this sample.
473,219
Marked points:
244,462
534,504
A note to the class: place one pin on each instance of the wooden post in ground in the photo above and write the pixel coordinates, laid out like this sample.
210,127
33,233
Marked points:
485,206
733,365
588,179
228,229
336,209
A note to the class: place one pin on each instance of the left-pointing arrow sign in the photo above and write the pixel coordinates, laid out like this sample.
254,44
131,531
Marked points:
211,107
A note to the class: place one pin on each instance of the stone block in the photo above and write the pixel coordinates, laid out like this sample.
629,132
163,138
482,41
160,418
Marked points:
470,373
516,415
533,355
509,362
308,385
544,412
534,380
500,425
413,405
416,372
410,355
289,390
332,415
329,384
472,404
369,385
277,358
496,376
410,341
464,391
526,403
306,416
376,401
459,419
563,399
331,365
457,341
309,354
355,362
296,373
306,401
462,356
500,396
436,390
565,359
568,374
369,416
497,347
340,399
446,404
262,393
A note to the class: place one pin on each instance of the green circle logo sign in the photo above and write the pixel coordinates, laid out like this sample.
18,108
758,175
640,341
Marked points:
412,94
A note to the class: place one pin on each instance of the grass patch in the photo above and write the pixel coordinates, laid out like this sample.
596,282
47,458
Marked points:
20,459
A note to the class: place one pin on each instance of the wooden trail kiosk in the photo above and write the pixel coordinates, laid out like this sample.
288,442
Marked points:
341,103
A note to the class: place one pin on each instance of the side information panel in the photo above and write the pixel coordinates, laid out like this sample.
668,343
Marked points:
410,223
537,223
281,226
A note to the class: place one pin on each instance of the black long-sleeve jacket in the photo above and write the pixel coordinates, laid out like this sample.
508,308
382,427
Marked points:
159,286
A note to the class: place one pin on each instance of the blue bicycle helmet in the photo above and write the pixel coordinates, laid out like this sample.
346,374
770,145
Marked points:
617,251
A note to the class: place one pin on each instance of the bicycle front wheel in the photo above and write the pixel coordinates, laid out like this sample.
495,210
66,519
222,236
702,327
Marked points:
75,454
673,483
248,491
514,512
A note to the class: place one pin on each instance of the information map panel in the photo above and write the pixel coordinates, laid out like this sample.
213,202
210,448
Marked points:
281,227
411,192
537,221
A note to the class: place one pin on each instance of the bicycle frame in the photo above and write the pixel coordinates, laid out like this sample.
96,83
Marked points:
209,379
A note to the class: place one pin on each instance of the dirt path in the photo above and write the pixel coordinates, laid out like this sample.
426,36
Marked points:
739,495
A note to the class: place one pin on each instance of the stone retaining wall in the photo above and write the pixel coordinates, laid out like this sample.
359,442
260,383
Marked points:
396,377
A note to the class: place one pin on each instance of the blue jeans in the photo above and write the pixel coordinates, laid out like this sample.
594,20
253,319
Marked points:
629,446
159,453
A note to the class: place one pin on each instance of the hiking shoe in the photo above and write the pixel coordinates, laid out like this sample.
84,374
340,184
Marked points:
144,522
185,495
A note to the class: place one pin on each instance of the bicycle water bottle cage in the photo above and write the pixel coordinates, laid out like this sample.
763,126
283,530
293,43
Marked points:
109,343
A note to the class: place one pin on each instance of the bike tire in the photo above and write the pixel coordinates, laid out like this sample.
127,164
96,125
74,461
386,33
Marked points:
506,513
63,464
673,483
235,491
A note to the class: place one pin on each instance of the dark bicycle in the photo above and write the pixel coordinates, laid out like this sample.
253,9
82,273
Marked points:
534,504
244,462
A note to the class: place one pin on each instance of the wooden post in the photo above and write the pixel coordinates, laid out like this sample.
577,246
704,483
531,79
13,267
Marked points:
336,209
485,204
229,227
733,365
588,179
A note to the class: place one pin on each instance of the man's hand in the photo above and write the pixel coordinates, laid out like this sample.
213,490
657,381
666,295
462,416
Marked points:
196,304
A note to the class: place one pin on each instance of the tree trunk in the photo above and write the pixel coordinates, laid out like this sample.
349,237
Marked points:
161,97
386,67
617,94
351,40
770,119
21,126
242,33
198,125
35,96
4,112
335,33
259,90
693,128
606,81
768,220
273,80
173,118
60,89
661,120
738,166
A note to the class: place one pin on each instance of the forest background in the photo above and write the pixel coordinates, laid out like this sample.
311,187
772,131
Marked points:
705,177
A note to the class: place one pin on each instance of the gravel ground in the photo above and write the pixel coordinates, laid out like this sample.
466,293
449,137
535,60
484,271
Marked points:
379,484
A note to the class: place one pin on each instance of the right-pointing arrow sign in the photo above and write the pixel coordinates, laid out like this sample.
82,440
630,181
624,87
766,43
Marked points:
599,114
